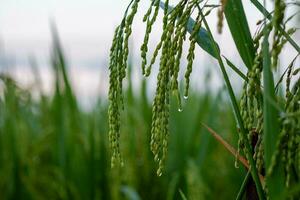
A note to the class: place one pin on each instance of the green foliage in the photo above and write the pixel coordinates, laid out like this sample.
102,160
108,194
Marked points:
239,29
271,126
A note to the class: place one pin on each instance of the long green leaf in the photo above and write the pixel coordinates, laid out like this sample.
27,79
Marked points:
243,186
234,68
275,182
227,146
238,25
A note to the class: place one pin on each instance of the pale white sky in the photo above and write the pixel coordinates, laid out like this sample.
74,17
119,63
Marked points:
88,21
86,28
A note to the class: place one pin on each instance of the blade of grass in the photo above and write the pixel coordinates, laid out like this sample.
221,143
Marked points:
230,149
243,186
238,25
275,182
234,68
62,65
284,73
226,145
249,150
268,15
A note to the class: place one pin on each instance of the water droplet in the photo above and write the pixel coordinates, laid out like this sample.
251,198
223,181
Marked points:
185,97
180,109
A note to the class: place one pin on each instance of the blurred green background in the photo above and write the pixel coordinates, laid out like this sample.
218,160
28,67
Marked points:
52,148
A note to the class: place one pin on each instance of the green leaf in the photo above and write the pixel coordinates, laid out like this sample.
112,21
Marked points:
243,186
202,39
238,25
234,68
227,146
275,182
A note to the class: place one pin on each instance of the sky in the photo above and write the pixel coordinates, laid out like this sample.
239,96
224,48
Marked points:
86,30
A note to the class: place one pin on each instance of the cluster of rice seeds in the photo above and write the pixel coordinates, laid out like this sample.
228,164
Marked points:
149,23
288,146
180,32
259,151
174,33
191,54
252,108
220,14
144,48
291,140
251,101
258,155
277,20
117,68
245,115
160,110
287,150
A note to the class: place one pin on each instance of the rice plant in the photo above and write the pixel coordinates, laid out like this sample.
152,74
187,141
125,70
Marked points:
267,122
